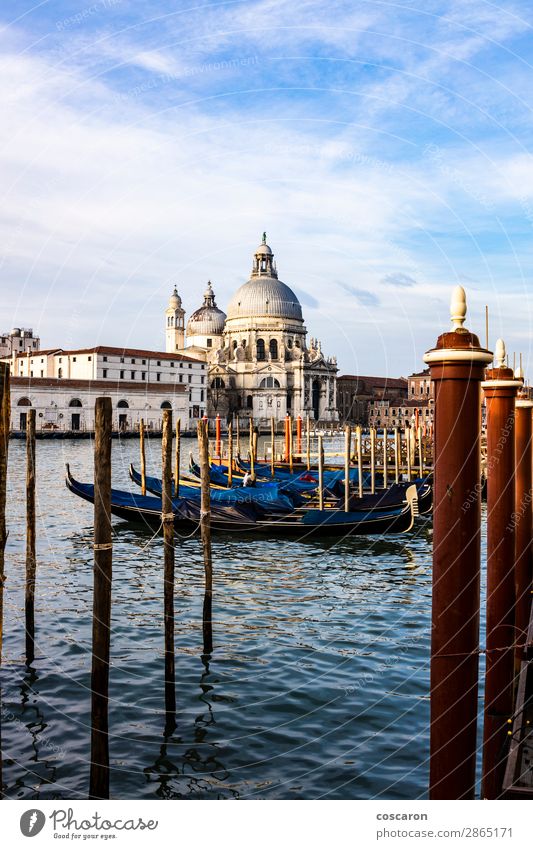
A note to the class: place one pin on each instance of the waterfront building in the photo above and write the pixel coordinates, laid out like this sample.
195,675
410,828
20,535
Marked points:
156,376
400,411
258,359
20,340
356,392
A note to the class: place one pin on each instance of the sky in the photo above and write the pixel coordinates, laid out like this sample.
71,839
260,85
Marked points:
383,146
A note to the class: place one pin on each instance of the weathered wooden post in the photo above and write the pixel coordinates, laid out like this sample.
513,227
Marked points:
320,473
523,521
217,439
143,457
230,455
385,459
397,450
372,460
457,365
103,568
237,435
420,452
286,448
500,387
409,449
205,529
347,446
177,472
359,440
31,559
299,437
272,446
167,519
5,414
251,439
308,443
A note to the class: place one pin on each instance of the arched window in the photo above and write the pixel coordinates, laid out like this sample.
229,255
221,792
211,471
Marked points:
289,343
250,402
60,372
123,404
166,405
274,348
269,383
234,344
260,349
297,343
75,403
218,383
24,402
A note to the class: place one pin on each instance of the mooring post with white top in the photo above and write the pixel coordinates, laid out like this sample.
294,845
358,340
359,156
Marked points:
523,518
457,368
500,387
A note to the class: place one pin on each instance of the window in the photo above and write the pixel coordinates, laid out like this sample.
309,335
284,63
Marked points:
121,375
75,402
73,359
189,379
31,373
260,349
181,365
159,362
123,404
190,365
289,343
143,362
122,359
24,402
218,383
171,365
132,375
209,343
166,405
202,379
105,359
181,378
143,375
133,362
60,372
273,347
42,373
89,359
234,344
202,393
60,360
42,361
104,373
158,377
269,383
249,402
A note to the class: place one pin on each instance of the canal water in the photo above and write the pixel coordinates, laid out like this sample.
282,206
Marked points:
317,686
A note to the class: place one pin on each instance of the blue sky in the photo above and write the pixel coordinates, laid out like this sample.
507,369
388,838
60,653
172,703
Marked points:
384,147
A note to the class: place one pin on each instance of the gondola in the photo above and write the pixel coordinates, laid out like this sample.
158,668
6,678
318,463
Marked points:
245,519
387,499
299,483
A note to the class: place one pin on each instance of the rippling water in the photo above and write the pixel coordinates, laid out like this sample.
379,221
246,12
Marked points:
317,686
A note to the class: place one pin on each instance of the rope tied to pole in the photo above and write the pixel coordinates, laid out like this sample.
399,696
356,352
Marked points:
103,546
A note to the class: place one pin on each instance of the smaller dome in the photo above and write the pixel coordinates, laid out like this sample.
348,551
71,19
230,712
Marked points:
264,250
175,300
208,320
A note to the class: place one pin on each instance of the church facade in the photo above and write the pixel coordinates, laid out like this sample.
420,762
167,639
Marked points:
258,359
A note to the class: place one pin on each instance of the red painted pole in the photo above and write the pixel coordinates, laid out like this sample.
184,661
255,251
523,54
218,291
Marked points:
217,437
457,366
299,436
523,521
500,389
287,449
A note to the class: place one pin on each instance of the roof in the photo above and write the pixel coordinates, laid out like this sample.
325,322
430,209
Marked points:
265,297
124,385
119,352
25,354
372,381
424,373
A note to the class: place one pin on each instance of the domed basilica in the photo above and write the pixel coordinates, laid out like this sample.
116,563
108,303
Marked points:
258,360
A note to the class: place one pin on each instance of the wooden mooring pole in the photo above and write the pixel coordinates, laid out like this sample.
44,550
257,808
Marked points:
397,455
31,558
457,368
205,530
237,435
143,457
347,447
167,519
299,437
320,473
372,460
385,460
359,441
101,632
177,467
291,446
272,445
500,388
230,455
5,414
523,522
308,442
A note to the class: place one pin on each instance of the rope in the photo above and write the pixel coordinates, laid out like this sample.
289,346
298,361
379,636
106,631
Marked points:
483,651
103,546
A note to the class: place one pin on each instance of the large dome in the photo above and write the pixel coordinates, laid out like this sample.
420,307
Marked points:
265,296
208,320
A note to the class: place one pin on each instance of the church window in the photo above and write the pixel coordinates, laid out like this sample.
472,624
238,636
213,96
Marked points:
274,348
289,343
218,383
297,343
269,383
209,343
250,402
260,349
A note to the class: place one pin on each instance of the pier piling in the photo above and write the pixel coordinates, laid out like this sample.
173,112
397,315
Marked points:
167,519
230,455
5,412
308,442
177,471
272,446
143,457
320,473
205,529
347,446
31,558
500,388
457,367
101,631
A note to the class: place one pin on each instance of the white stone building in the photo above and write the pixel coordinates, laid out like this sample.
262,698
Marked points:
19,341
258,359
154,373
68,404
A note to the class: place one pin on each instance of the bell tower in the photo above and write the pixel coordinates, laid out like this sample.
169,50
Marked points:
174,324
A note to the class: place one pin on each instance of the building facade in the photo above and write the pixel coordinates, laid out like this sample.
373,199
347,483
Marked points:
415,406
258,360
68,404
355,392
20,340
149,370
